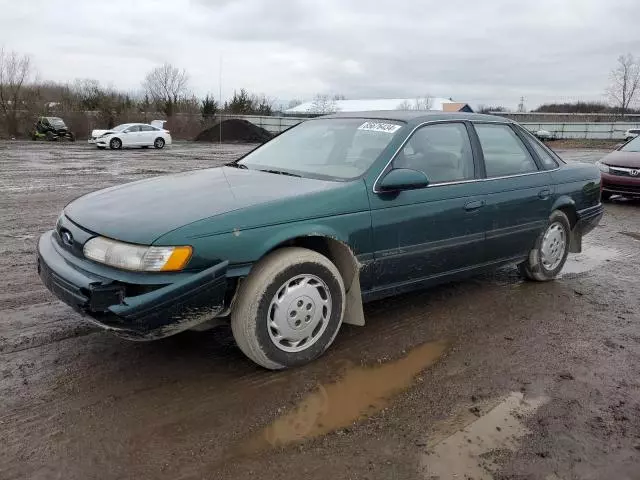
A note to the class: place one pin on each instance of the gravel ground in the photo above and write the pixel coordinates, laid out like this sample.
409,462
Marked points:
488,378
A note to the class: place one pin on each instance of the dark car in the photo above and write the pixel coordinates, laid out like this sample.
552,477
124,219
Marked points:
51,128
287,242
621,171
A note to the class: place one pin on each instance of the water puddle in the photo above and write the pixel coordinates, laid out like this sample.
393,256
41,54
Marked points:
362,391
469,452
634,235
590,258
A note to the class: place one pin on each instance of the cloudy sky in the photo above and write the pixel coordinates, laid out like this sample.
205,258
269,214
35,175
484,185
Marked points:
481,52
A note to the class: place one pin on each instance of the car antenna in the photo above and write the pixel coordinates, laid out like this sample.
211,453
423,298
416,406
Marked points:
220,98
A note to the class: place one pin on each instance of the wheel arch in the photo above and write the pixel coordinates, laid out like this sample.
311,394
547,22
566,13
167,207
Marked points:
340,253
567,205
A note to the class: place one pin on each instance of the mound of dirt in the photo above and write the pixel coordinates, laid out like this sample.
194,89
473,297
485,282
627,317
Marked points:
234,130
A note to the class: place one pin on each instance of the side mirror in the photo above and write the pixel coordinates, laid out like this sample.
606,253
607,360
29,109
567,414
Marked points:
403,179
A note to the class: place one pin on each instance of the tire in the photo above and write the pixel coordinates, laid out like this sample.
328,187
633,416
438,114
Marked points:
71,137
50,137
115,144
541,267
256,325
159,143
606,196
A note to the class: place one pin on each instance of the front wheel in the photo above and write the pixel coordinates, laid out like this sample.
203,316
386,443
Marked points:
159,143
550,252
115,144
289,309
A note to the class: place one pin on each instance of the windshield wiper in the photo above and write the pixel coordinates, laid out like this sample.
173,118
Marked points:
281,172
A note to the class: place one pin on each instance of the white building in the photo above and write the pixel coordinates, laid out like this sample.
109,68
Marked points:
324,105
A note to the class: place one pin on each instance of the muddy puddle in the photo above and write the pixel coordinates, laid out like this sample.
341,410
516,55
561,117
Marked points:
472,452
362,391
591,258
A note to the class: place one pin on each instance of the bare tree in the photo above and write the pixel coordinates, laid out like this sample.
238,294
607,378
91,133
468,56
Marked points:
625,80
323,104
423,103
15,75
166,85
405,105
420,103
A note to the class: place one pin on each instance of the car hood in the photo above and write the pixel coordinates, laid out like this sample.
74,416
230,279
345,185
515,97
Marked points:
97,133
623,159
140,212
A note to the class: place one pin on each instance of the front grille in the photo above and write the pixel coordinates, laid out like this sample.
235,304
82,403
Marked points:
625,172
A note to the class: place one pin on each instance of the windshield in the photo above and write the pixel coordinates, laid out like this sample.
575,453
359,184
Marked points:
337,148
56,122
632,146
119,128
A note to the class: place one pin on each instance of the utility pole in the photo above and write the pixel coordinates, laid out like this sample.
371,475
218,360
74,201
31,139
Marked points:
521,105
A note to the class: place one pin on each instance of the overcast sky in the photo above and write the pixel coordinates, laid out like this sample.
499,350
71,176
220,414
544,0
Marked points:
481,52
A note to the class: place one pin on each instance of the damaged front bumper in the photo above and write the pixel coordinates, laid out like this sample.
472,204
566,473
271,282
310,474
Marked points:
134,305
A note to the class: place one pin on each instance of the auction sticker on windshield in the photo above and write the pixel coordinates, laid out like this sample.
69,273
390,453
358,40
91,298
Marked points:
380,127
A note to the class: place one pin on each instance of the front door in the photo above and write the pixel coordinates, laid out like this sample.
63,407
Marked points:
131,136
519,192
436,230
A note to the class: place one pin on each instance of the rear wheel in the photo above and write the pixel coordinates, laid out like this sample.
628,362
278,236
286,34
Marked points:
115,144
159,143
289,309
550,252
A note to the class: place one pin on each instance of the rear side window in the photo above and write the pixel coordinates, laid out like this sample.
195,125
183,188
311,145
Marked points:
504,153
547,160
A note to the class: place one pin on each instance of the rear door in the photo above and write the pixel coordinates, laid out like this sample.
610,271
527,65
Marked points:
148,134
430,232
518,190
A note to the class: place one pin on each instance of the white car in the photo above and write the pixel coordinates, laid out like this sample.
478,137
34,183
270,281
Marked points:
132,135
631,134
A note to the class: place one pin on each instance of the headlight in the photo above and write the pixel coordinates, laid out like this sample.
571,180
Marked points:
137,257
603,167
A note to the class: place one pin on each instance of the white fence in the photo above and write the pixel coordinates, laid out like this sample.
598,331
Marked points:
584,130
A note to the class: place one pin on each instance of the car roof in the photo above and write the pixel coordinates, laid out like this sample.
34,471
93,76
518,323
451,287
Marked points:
418,116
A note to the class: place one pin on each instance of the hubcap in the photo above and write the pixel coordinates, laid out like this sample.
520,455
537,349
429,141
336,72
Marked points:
299,313
554,243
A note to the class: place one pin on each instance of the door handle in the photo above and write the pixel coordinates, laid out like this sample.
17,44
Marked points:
475,205
544,194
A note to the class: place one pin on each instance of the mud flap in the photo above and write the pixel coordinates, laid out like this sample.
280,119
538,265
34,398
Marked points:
353,312
575,241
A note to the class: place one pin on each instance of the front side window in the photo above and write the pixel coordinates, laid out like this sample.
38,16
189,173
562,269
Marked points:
504,153
147,128
133,129
330,148
442,151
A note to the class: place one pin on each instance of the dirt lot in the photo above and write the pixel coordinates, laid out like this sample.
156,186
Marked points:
487,378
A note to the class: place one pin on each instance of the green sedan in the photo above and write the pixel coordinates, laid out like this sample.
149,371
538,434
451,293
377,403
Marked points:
287,243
